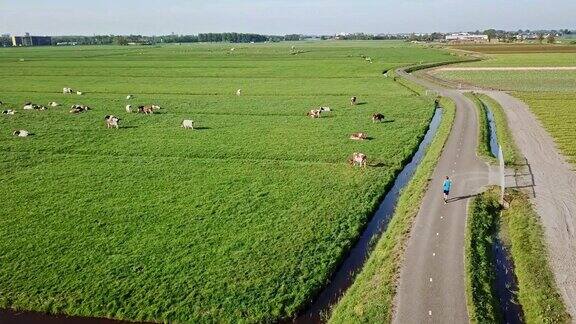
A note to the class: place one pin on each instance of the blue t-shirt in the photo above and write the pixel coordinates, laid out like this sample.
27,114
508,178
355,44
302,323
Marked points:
447,185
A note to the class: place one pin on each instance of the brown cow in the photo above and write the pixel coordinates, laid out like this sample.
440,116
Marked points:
377,117
314,113
148,109
358,136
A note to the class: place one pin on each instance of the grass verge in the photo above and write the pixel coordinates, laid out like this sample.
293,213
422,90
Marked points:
521,231
481,229
537,293
509,149
371,296
483,148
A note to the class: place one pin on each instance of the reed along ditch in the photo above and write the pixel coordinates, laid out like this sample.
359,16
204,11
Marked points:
499,302
343,277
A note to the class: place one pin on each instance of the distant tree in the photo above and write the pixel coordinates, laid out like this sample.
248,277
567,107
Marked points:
551,39
540,38
120,40
292,37
491,34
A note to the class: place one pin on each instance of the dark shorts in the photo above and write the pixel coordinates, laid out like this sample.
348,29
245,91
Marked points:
446,192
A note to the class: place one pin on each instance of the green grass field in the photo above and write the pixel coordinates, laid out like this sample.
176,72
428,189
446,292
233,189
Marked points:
550,94
243,219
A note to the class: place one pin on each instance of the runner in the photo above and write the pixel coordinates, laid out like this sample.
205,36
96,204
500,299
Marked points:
447,185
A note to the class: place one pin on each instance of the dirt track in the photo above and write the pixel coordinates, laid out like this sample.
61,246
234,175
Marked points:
519,68
555,192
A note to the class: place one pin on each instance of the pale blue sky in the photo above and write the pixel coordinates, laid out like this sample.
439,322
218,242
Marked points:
154,17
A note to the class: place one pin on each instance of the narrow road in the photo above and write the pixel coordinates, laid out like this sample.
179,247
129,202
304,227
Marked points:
431,287
554,192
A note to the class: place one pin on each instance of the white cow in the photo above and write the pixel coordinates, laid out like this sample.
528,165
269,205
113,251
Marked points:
358,159
111,121
239,92
128,97
21,133
66,90
79,93
128,108
188,124
29,106
325,109
53,104
8,112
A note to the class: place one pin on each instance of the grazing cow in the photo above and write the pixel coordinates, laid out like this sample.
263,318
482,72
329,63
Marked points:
1,103
66,90
145,110
8,112
76,109
31,106
188,124
358,159
79,93
111,121
53,104
239,92
325,109
358,136
128,97
232,49
128,108
353,101
155,107
314,113
21,133
377,117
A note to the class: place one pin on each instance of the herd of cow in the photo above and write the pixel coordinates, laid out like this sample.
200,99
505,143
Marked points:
112,121
357,158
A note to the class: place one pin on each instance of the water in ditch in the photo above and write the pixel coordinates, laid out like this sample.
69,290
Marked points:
506,284
494,146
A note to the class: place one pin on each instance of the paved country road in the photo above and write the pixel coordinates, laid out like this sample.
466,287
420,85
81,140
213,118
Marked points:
554,192
431,286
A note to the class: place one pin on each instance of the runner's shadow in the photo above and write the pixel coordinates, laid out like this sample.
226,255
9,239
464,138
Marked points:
449,200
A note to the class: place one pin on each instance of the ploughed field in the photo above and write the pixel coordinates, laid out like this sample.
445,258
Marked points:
242,219
551,94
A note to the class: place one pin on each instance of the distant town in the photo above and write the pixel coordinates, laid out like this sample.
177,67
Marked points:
486,36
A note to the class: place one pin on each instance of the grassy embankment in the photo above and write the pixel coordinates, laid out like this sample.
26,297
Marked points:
483,148
511,153
481,229
521,230
370,298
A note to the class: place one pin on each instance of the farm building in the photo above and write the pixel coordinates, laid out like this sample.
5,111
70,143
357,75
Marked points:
28,40
465,37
